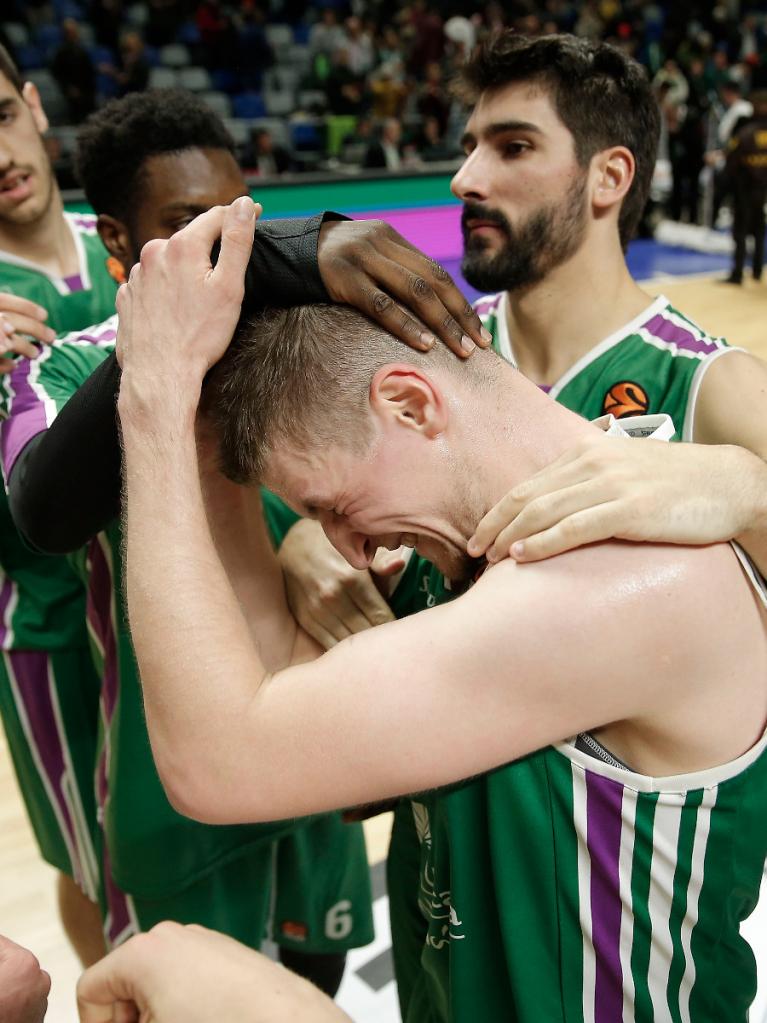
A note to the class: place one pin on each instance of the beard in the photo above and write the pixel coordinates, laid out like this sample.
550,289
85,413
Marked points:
531,250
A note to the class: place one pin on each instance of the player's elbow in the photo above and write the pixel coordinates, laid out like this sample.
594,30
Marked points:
205,793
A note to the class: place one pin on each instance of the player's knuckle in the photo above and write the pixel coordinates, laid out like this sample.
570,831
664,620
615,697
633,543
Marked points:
419,289
327,595
380,302
450,326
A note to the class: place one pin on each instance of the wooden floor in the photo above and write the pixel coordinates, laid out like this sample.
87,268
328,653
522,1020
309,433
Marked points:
27,911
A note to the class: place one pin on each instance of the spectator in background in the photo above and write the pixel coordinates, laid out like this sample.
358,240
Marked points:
425,28
388,91
737,111
265,158
254,54
326,36
218,34
747,171
359,45
677,88
387,151
345,89
433,100
133,73
355,145
73,69
432,147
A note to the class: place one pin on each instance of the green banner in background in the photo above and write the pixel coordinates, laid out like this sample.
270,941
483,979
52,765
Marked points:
346,195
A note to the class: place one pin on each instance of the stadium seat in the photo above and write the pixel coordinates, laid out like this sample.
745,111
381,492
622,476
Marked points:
279,37
29,56
279,79
312,100
48,38
188,34
279,104
238,129
223,79
248,104
276,127
163,78
218,101
137,15
297,56
17,33
175,55
196,79
307,136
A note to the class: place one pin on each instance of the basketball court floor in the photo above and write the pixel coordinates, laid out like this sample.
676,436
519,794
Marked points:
27,907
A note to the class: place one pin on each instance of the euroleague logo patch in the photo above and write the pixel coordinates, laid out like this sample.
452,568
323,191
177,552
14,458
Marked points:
116,270
294,929
626,399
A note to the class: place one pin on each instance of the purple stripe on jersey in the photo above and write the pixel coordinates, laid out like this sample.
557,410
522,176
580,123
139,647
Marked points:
99,615
603,815
664,329
6,593
31,675
26,416
486,305
84,220
74,283
545,388
102,338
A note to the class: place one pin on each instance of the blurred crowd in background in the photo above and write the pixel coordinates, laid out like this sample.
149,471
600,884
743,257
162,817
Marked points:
365,84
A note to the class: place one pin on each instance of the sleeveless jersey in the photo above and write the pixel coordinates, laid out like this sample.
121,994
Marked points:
42,604
654,364
560,888
565,889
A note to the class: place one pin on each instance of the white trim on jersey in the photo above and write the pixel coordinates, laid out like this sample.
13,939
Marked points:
688,429
59,283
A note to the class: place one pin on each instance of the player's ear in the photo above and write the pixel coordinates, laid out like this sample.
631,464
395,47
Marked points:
614,171
114,234
31,97
401,392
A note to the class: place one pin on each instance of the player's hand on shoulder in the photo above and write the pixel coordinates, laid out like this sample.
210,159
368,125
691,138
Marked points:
628,489
177,973
177,312
24,986
329,599
21,322
367,264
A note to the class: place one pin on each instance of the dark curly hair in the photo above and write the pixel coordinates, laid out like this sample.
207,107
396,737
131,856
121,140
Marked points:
115,143
602,97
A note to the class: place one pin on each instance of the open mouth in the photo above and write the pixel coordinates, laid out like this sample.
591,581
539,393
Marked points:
16,187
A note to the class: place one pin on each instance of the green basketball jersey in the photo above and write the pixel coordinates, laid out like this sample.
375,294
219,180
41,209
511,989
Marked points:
88,296
42,604
654,364
559,887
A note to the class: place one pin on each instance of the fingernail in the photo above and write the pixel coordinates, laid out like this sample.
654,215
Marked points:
486,335
42,313
467,344
244,208
427,339
518,549
7,326
472,548
50,334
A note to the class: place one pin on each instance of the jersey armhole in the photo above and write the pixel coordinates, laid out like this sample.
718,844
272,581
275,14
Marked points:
688,430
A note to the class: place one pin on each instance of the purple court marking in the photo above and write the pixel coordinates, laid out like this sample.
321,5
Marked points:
604,798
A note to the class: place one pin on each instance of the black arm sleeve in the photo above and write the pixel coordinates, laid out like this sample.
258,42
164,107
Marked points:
65,485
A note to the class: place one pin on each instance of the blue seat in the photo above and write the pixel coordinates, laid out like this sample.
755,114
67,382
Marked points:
248,104
29,56
48,37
